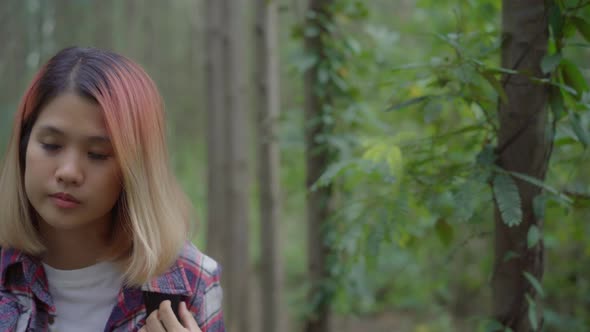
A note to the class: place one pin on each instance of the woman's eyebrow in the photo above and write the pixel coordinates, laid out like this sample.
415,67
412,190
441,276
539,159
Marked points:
91,139
51,130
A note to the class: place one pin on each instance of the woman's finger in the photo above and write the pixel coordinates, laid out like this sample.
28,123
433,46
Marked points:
187,318
168,318
153,324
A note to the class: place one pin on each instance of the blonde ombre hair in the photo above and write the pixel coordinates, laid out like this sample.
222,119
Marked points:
151,218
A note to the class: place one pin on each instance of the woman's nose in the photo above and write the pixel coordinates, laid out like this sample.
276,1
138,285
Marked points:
70,170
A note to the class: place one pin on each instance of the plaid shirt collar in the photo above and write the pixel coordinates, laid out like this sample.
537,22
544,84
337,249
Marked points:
173,281
32,272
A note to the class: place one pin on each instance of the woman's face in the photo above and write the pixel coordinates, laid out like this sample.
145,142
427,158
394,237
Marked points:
72,178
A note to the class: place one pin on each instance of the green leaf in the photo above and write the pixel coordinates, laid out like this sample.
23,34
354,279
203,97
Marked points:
407,103
467,198
532,313
533,236
535,283
486,157
563,87
489,76
583,27
508,199
569,30
538,183
411,66
539,206
552,47
573,77
493,326
581,133
444,231
331,173
493,69
581,45
550,62
557,103
555,20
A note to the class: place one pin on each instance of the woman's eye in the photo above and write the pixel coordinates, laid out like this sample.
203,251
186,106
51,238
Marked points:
50,147
97,156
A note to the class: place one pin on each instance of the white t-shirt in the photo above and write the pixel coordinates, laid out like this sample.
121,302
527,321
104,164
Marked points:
83,298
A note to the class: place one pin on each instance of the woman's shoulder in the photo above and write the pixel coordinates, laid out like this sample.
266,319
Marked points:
198,266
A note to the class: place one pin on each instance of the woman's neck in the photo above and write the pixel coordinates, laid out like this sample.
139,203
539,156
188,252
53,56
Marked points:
70,249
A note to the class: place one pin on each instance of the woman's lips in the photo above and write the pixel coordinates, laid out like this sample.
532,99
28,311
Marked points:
65,201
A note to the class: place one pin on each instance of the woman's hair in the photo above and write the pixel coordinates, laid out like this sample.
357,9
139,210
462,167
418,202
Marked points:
151,217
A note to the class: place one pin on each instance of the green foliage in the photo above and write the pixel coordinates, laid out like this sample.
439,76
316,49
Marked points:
533,236
583,26
425,169
535,283
532,312
508,199
573,77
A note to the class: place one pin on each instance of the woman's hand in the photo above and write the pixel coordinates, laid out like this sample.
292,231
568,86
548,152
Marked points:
164,320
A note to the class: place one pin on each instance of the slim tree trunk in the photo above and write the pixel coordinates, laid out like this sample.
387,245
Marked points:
217,221
524,147
268,97
228,180
317,159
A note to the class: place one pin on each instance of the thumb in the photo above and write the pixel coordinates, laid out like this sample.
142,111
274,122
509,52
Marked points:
187,318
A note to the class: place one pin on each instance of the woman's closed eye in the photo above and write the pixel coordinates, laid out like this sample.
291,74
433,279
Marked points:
50,147
97,156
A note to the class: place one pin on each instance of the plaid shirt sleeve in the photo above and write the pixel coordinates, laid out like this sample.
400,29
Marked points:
206,304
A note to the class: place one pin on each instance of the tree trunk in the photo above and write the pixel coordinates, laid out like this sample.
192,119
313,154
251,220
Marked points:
317,160
524,147
268,97
228,180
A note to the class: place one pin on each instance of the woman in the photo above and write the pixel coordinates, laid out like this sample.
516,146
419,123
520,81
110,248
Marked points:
92,219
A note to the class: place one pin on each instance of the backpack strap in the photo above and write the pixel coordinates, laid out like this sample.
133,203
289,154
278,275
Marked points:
152,301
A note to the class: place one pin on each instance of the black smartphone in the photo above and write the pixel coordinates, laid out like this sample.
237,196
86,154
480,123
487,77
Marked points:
152,302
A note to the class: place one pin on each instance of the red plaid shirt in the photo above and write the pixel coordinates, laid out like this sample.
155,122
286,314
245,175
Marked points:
26,304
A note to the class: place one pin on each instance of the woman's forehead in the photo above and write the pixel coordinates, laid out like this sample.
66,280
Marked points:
71,115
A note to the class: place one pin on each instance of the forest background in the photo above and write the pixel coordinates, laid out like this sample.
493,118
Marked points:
408,97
